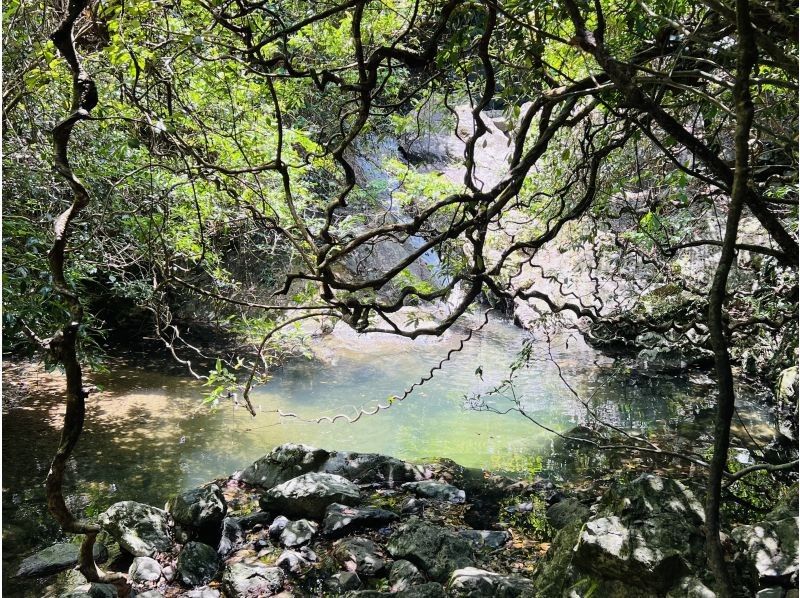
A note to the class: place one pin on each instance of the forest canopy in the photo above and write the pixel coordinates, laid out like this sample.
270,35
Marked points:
246,165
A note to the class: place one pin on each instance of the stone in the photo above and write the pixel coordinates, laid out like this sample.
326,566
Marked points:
198,564
232,536
479,583
277,526
562,513
251,521
360,555
484,538
787,385
150,594
309,495
140,529
342,582
690,587
774,592
435,550
772,546
57,557
292,562
283,463
403,575
143,569
426,590
103,590
437,491
200,511
297,533
370,468
246,581
202,593
341,519
413,506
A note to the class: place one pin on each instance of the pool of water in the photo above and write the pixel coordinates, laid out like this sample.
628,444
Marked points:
149,435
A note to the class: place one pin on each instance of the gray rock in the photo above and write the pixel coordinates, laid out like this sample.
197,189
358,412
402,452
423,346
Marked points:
168,572
310,494
103,590
437,491
564,512
479,583
282,464
774,592
484,538
143,568
292,562
57,557
403,575
413,506
341,582
232,536
370,468
426,590
690,587
150,594
250,521
341,519
202,593
297,533
435,550
198,564
200,511
246,581
140,529
772,546
361,554
277,526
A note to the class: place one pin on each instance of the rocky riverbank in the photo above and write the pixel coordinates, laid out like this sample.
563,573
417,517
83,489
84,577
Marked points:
303,521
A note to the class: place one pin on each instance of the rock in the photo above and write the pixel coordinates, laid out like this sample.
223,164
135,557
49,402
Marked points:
774,592
426,590
144,569
285,462
232,536
200,511
94,590
787,385
403,575
198,564
247,581
478,583
485,538
150,594
277,526
562,513
310,494
342,582
140,529
435,550
690,587
370,468
772,546
202,593
168,572
412,506
57,557
360,555
437,491
297,533
341,519
250,521
292,562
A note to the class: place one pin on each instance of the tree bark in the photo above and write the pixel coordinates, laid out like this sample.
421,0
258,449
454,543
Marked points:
726,395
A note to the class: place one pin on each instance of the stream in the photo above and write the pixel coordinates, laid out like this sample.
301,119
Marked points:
149,434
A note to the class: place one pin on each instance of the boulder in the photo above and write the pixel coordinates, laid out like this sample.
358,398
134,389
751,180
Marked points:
772,546
310,494
255,519
232,536
200,511
478,583
201,593
360,555
403,575
437,491
277,526
435,550
341,519
57,557
342,582
484,538
283,463
140,529
297,533
198,564
292,562
370,468
690,587
246,581
562,513
144,569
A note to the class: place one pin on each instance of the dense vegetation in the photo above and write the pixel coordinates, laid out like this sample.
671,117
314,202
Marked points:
218,174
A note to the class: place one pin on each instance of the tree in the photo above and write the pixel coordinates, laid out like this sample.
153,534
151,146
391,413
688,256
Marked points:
635,130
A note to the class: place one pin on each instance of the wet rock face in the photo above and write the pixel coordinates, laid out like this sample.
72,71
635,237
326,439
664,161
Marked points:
200,512
435,550
246,581
140,529
285,462
57,557
198,564
309,495
341,519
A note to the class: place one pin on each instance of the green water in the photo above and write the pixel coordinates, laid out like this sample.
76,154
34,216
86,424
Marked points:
151,436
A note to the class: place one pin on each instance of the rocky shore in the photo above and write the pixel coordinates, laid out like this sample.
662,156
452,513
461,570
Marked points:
303,521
